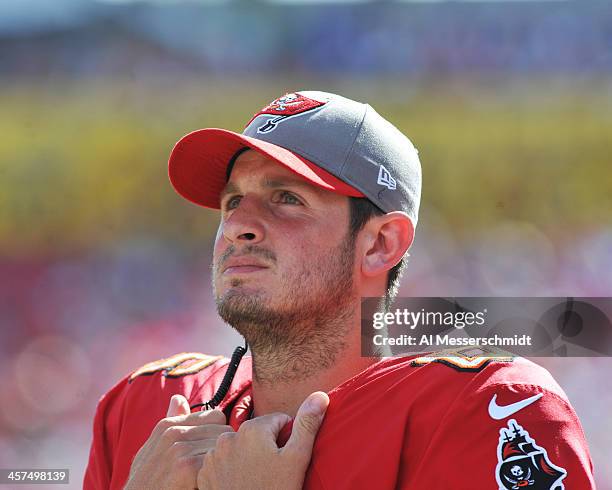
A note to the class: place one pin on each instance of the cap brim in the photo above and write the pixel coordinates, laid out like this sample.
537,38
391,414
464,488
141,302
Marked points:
198,164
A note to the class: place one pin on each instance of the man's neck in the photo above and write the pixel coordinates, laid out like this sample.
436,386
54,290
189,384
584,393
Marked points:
286,395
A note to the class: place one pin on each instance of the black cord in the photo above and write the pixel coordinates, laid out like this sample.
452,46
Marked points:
224,387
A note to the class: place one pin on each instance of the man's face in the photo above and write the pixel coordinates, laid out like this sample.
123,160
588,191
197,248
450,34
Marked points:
283,258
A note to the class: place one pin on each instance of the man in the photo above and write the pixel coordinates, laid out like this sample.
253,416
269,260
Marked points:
319,200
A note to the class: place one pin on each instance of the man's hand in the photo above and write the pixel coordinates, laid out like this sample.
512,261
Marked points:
251,459
172,456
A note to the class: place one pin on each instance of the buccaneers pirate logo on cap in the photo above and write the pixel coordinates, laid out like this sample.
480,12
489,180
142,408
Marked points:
283,108
522,464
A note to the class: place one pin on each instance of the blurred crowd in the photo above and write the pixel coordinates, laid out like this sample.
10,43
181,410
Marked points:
260,38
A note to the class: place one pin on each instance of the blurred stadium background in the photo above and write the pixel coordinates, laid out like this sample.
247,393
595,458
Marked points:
103,268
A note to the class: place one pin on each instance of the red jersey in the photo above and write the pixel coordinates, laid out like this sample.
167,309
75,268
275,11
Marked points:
403,423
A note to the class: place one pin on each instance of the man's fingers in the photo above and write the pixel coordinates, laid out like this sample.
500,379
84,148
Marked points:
307,422
188,449
195,432
178,406
209,417
269,425
215,416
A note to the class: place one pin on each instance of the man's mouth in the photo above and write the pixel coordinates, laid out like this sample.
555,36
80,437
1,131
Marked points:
242,265
242,269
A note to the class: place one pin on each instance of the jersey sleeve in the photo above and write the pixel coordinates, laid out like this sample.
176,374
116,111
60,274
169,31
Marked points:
99,468
505,434
126,415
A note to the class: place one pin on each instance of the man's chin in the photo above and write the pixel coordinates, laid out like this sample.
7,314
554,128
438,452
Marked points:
241,293
241,303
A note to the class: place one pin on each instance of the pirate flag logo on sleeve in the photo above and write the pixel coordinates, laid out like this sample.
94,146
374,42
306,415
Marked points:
522,464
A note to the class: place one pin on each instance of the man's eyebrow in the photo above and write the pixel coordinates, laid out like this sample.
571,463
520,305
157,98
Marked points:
231,188
276,183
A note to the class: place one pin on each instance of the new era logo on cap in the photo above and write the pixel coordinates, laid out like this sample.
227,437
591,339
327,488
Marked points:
384,178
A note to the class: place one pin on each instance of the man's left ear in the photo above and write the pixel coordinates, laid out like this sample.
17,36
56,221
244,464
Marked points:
388,239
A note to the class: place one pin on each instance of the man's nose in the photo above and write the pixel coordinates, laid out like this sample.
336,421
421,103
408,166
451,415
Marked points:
245,223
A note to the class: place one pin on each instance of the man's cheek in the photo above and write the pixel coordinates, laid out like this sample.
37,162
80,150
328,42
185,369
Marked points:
217,245
219,249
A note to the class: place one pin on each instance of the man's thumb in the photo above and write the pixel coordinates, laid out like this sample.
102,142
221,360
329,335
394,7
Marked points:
307,421
178,406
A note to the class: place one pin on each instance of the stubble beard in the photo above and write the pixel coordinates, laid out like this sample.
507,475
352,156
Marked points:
306,334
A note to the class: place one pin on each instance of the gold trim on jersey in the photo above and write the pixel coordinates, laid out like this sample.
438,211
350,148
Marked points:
177,365
466,359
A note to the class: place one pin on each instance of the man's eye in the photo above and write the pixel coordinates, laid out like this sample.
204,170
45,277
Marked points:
288,198
232,202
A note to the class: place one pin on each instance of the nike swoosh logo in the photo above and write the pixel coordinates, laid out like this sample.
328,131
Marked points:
498,412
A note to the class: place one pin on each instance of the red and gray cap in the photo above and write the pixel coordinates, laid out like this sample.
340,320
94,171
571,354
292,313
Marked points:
333,142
